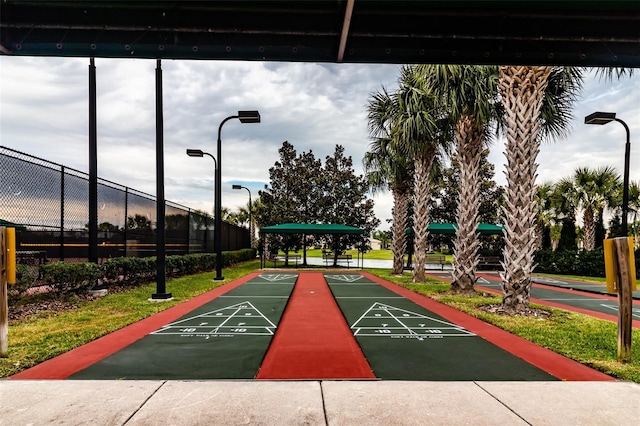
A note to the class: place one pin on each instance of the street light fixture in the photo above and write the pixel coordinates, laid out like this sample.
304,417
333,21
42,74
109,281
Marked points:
200,153
250,221
244,117
604,118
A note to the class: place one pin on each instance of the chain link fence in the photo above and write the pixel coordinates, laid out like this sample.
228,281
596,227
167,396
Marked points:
49,203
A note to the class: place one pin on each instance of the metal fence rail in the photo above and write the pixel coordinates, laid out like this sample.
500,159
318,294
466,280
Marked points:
52,202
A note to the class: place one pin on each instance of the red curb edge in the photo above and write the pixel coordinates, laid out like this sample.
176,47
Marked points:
68,363
557,365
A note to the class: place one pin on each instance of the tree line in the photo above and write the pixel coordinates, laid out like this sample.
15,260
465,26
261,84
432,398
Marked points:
456,111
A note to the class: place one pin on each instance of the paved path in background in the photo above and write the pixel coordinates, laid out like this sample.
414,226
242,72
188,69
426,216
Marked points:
564,294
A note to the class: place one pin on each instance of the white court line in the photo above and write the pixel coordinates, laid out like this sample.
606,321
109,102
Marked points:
577,300
354,284
209,314
402,324
255,297
615,308
369,297
225,321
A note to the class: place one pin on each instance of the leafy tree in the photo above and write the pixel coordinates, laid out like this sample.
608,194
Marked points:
444,198
280,200
384,237
303,191
138,222
345,201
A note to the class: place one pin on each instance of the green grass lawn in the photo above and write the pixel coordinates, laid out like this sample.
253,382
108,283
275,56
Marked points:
383,254
588,340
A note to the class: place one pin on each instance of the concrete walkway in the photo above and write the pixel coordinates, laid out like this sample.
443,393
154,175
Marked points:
78,402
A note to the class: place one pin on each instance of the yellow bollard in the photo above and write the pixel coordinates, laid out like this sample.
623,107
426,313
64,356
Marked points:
11,255
610,266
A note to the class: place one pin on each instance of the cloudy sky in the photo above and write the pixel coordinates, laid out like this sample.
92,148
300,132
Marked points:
43,112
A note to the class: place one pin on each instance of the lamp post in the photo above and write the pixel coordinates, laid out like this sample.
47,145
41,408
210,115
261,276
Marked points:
618,251
244,117
250,221
200,153
604,118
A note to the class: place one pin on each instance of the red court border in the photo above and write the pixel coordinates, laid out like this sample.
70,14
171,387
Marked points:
314,320
68,363
557,365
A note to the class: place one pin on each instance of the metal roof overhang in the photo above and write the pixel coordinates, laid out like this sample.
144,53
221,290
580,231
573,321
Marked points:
586,33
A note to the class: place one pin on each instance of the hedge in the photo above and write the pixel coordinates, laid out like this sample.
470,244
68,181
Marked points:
74,278
576,262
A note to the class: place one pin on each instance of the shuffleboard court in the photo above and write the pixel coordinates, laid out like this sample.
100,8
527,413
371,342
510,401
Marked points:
568,295
404,341
223,339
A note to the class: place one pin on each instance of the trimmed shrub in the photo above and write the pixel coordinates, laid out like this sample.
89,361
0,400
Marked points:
26,275
69,278
571,262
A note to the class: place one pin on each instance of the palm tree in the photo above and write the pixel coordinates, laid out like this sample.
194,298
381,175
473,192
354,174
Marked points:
469,95
544,193
565,203
595,190
422,134
537,102
386,169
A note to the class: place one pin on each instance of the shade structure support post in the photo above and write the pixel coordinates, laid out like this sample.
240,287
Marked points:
161,289
93,165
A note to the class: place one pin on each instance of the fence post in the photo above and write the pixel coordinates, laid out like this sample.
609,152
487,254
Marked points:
62,174
126,215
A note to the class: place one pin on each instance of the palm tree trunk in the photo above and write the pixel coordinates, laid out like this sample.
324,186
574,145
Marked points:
522,90
399,243
421,211
589,226
469,152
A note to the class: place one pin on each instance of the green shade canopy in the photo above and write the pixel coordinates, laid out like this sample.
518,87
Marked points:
450,228
8,224
311,228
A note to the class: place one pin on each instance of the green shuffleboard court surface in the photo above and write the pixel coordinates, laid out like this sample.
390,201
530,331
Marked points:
404,341
224,339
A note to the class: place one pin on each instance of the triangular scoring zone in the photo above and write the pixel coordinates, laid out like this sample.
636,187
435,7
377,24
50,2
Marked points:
277,277
383,320
239,319
349,278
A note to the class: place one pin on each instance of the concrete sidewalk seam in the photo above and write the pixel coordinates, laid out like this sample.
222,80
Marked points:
502,403
144,402
324,407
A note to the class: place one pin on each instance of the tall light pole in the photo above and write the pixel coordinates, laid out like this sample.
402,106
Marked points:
604,118
244,117
200,153
250,221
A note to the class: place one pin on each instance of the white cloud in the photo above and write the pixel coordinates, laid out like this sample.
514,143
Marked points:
43,112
